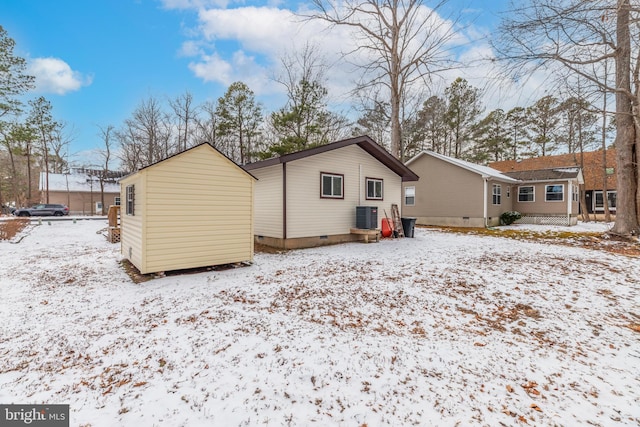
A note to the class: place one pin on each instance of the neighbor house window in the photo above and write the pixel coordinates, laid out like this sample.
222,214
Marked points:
599,204
131,199
526,194
374,189
554,193
409,196
332,185
508,191
117,201
497,194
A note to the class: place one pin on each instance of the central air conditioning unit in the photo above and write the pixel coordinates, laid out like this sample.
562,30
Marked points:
366,217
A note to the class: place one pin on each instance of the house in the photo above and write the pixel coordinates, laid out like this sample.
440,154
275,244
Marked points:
453,192
194,209
596,174
309,198
80,190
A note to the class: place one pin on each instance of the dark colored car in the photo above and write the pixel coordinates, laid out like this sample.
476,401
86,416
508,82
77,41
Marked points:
43,210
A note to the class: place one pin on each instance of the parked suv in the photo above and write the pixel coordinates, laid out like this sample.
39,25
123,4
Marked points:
43,210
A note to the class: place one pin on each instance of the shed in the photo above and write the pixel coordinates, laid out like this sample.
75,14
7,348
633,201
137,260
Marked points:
194,209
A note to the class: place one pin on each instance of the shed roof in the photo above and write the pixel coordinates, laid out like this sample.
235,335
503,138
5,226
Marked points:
364,142
483,171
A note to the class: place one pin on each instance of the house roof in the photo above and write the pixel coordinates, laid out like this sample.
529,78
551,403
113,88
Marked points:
76,182
193,148
553,174
364,142
484,171
592,166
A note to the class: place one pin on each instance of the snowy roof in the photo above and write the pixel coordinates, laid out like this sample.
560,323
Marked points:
485,171
77,182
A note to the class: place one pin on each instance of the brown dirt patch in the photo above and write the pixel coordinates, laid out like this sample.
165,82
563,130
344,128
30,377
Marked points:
9,229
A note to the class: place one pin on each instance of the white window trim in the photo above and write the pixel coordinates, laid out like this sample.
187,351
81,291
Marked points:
374,180
131,200
332,176
533,193
601,208
496,195
413,188
546,193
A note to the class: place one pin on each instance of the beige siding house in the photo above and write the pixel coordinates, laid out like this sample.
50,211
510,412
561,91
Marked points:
194,209
453,192
309,198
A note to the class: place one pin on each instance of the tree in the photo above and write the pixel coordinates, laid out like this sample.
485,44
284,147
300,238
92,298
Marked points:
374,122
13,80
584,37
463,108
185,113
41,120
239,118
401,44
515,121
106,134
492,139
542,124
432,120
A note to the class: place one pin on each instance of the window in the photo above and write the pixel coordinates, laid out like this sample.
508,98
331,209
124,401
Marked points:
131,199
117,200
526,194
497,194
374,189
410,196
598,204
332,186
554,193
508,192
575,193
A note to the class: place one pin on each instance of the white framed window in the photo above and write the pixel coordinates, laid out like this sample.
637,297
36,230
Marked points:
331,186
410,196
497,194
575,193
131,199
526,194
598,203
508,191
554,193
116,200
374,189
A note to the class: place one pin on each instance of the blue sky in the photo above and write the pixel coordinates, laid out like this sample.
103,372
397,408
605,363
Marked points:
96,60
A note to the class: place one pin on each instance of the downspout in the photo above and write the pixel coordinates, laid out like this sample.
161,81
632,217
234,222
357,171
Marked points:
486,201
284,204
569,200
360,185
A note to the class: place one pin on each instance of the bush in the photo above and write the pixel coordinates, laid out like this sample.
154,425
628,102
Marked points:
508,218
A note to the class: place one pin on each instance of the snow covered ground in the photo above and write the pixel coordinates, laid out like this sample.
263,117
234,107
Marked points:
442,330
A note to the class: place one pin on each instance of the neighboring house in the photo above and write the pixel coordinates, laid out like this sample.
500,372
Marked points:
80,190
309,198
194,209
453,192
592,165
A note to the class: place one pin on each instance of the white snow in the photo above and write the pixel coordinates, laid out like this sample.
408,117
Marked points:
442,329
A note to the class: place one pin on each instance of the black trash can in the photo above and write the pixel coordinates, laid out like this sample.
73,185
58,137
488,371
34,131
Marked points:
408,225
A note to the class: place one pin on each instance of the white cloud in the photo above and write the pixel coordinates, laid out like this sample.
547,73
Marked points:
53,75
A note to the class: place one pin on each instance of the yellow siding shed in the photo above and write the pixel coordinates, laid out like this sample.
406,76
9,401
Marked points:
194,209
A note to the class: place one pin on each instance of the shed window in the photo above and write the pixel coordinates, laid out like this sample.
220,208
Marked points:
332,185
497,194
374,189
131,199
526,194
554,193
410,196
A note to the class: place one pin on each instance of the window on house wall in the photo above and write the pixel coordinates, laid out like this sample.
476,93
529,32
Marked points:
526,194
554,193
497,194
332,186
508,191
117,201
410,196
598,204
374,189
131,199
575,193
